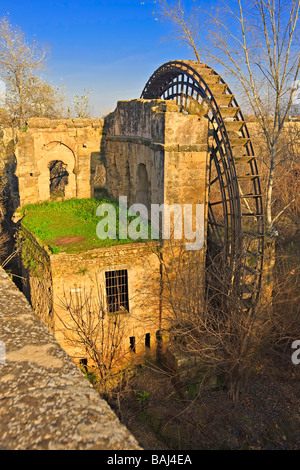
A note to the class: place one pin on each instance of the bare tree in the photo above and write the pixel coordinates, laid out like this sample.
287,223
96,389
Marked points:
97,334
257,44
20,64
185,26
45,100
81,106
285,198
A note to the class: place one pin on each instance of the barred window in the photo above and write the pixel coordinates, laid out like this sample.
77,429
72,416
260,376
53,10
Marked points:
117,291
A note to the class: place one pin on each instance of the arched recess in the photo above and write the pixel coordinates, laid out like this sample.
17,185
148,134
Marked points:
56,151
143,186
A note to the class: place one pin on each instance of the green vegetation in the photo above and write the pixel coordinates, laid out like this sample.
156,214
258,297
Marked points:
69,226
142,397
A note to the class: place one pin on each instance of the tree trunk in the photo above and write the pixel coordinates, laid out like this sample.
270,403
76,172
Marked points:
269,219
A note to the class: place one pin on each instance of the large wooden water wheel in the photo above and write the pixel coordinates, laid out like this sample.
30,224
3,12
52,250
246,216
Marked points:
235,209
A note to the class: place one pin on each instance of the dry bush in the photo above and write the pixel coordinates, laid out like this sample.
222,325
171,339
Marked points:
213,323
286,303
3,236
93,333
3,248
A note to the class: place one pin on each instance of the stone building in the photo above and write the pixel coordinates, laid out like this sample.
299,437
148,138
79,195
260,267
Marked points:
146,150
72,143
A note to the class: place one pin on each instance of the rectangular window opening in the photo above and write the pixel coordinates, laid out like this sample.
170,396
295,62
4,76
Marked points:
117,291
147,340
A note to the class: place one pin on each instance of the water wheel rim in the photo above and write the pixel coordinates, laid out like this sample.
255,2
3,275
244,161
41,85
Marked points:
180,81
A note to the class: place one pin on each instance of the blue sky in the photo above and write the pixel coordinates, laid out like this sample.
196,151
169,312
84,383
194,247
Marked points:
108,46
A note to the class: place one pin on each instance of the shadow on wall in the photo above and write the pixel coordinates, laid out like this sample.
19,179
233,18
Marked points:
143,186
10,200
99,167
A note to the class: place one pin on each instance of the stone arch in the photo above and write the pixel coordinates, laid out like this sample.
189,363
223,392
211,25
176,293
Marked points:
143,186
56,151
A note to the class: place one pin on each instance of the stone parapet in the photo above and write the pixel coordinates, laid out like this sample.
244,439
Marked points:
46,403
45,123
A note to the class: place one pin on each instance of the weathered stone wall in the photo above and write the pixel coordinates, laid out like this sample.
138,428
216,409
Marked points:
51,279
74,142
171,146
81,272
171,149
133,137
146,150
9,196
46,403
37,283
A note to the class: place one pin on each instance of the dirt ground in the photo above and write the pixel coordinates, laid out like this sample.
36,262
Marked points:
65,241
267,416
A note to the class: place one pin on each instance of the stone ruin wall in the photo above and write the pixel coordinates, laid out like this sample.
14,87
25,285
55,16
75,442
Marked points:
51,278
170,145
37,281
75,142
145,150
82,272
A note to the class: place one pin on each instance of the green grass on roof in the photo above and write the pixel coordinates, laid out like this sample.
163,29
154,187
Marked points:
69,226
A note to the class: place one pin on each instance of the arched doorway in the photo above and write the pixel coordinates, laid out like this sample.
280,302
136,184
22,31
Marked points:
59,178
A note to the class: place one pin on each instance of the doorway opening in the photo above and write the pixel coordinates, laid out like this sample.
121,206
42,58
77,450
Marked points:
59,179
